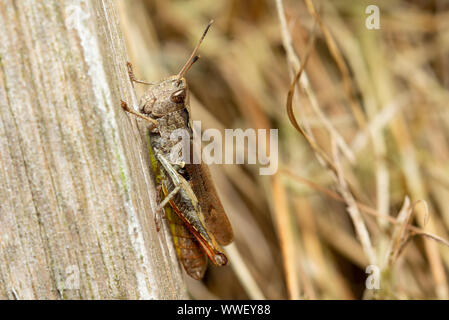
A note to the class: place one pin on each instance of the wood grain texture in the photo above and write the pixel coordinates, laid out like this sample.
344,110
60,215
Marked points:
75,188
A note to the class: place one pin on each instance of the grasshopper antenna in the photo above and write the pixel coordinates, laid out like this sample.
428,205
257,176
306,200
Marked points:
194,57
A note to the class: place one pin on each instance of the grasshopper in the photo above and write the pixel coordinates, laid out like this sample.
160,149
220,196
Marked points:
197,220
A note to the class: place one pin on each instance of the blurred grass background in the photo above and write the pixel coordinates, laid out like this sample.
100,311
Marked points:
374,101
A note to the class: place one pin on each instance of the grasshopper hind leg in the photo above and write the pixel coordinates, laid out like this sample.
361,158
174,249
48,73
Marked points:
168,198
188,250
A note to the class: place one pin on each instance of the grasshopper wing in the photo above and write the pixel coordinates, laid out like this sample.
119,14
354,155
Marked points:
214,215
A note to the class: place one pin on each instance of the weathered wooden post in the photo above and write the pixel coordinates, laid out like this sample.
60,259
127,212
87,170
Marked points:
76,197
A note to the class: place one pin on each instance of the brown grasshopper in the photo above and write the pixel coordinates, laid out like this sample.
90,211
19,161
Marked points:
199,224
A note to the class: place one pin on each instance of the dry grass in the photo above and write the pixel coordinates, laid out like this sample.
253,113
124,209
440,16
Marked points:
368,172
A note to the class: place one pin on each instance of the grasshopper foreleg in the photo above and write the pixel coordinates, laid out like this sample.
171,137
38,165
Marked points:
149,119
133,78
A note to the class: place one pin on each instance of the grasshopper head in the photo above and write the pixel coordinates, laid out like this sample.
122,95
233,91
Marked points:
170,94
167,96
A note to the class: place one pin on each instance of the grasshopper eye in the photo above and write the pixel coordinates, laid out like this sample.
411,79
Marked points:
178,96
